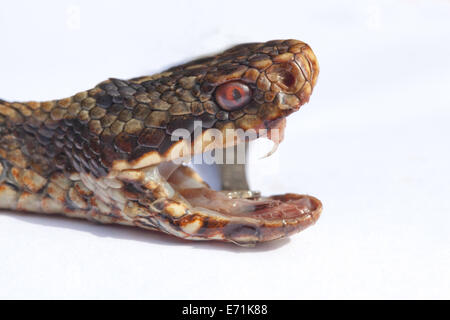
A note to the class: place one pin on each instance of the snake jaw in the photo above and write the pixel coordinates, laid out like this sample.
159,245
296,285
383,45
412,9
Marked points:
188,208
174,199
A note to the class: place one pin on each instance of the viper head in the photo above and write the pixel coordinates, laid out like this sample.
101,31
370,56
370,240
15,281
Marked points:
247,87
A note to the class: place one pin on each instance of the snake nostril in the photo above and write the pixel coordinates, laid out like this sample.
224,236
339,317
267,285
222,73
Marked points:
287,79
287,76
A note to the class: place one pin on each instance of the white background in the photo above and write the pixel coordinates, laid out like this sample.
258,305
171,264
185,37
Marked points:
373,144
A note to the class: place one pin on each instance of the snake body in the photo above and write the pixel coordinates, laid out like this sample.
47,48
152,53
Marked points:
107,154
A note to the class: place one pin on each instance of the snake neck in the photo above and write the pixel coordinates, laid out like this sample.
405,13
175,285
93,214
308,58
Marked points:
34,170
25,136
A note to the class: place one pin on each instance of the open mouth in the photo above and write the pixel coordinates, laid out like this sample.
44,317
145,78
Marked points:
276,216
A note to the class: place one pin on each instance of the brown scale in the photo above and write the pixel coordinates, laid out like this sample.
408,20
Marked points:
94,155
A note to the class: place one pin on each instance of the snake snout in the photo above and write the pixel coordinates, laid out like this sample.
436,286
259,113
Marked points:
293,77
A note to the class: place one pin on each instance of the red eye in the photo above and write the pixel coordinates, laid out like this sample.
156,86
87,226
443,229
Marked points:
233,95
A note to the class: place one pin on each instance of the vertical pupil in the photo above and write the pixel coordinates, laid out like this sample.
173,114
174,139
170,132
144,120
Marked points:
236,94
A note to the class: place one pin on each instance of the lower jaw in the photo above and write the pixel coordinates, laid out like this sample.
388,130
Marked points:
240,216
242,203
261,219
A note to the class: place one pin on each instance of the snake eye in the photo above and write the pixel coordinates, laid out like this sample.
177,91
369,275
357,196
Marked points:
233,95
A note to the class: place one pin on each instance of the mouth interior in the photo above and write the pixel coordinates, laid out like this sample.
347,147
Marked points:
268,208
235,203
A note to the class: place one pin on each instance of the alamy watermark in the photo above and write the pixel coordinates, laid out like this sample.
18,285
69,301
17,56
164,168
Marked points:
216,146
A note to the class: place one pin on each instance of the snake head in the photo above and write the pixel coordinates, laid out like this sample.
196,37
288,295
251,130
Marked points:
248,87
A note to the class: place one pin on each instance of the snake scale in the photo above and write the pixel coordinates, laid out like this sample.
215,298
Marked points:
107,154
